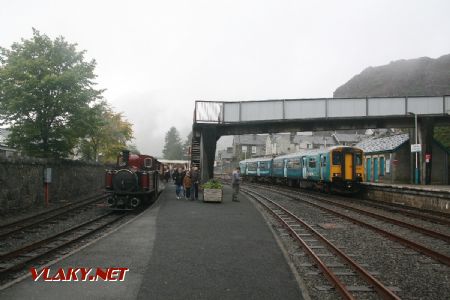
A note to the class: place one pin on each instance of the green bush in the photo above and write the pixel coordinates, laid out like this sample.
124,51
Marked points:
212,184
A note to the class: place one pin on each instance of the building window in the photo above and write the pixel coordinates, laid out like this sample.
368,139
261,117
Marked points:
254,149
244,149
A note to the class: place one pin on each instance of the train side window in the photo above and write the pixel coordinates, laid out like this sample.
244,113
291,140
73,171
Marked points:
293,163
251,167
337,158
278,164
358,158
324,161
312,163
262,165
148,162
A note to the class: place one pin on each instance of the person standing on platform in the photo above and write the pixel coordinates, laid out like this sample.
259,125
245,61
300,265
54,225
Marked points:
187,184
178,180
235,182
195,177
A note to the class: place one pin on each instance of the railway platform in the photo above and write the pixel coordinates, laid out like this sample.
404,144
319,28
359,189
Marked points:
430,197
179,249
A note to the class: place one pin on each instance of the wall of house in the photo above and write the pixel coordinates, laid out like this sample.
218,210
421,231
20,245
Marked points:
22,184
397,165
440,169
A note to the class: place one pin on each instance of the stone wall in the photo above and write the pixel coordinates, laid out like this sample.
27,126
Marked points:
22,184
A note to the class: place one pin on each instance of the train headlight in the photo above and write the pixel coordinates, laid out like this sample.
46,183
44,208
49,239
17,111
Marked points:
358,175
336,174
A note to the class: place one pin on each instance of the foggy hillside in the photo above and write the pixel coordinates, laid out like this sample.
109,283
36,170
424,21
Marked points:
412,77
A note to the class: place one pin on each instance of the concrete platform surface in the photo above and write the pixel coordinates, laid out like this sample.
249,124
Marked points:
419,187
180,249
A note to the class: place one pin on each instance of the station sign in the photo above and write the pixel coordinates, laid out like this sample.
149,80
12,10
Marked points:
416,148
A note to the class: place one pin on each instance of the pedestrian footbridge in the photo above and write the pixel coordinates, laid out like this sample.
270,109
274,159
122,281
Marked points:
213,119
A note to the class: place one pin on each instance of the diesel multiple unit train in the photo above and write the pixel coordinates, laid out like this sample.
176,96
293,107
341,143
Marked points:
338,169
135,181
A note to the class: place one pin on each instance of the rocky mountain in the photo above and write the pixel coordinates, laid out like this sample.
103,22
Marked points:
412,77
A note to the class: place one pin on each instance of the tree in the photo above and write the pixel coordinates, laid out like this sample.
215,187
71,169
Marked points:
172,147
46,94
108,134
187,144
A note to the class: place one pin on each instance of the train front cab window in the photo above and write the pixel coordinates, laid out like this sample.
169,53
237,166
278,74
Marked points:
148,163
337,158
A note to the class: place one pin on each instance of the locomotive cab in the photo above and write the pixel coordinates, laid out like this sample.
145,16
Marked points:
347,168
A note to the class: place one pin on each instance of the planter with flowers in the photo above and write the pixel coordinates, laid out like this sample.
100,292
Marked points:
212,191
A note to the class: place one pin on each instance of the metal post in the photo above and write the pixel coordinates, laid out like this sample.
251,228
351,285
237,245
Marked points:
416,179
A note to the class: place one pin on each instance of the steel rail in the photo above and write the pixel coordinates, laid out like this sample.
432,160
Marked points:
445,259
334,280
4,272
382,290
432,233
396,208
438,235
64,209
423,214
31,247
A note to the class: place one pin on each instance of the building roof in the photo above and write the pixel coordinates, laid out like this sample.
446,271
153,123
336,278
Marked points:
315,139
389,143
347,137
249,139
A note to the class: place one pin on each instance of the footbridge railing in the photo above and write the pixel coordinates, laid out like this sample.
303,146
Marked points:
292,109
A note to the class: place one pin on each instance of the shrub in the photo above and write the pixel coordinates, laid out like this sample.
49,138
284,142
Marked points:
212,184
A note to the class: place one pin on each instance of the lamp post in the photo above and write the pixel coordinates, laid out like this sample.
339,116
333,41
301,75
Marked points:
416,172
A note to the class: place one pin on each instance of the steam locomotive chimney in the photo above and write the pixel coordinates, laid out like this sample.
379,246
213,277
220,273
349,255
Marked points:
126,156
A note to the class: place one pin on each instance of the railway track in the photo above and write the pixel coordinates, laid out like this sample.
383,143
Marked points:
335,265
330,205
32,222
17,259
396,208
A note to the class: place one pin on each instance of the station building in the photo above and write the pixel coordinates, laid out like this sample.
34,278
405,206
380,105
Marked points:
389,160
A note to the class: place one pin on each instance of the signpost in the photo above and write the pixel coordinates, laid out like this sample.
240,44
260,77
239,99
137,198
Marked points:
416,148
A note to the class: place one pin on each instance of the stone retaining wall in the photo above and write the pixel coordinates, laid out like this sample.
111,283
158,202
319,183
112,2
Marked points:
22,184
436,200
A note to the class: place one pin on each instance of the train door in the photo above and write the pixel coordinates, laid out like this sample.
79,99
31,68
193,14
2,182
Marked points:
257,169
369,169
285,168
375,169
322,166
304,170
348,166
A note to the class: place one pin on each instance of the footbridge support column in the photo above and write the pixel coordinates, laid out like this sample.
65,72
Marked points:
208,140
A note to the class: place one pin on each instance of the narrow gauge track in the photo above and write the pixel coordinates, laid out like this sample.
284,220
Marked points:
297,229
31,222
426,250
18,259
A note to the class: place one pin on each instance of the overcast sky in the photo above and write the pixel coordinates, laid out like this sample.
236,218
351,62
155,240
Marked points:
155,58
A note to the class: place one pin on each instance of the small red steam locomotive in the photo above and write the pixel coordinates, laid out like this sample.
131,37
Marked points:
135,181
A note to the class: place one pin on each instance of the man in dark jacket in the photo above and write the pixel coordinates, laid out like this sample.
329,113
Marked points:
195,176
178,177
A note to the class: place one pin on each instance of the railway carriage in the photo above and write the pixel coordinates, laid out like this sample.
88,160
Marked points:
337,168
135,181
